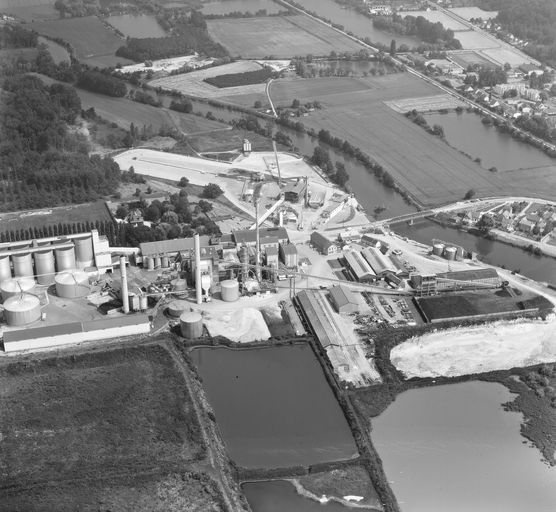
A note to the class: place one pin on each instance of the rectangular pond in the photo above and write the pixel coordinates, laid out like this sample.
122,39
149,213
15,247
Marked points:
274,406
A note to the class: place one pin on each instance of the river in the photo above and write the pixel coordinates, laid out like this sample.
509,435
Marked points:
354,22
453,448
274,406
467,133
281,496
540,268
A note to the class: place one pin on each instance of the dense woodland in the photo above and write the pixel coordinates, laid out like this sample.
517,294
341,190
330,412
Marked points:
42,162
188,34
433,33
235,79
531,20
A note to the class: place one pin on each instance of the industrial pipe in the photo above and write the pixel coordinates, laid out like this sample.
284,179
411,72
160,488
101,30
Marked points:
198,289
124,290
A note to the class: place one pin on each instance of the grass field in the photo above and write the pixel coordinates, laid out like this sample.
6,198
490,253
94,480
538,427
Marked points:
436,17
281,37
424,165
92,41
113,422
425,103
30,10
193,83
464,59
473,12
91,212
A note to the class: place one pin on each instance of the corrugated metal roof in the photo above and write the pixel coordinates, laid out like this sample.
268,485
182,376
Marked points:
342,296
471,275
246,236
359,265
42,332
170,246
118,321
317,317
378,262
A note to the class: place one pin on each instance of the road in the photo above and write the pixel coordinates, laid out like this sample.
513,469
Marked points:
430,80
267,92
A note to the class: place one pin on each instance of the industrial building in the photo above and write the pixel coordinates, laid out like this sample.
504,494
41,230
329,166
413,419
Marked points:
248,237
450,281
75,332
288,255
343,299
316,317
359,267
322,244
295,190
381,264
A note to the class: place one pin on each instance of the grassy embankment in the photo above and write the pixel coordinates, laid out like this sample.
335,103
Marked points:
115,427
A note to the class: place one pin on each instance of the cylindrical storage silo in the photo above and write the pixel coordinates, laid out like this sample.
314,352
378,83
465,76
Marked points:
191,325
5,268
65,259
164,263
230,290
23,265
84,256
143,303
72,284
16,286
44,266
438,249
450,253
177,307
150,263
157,261
179,286
21,310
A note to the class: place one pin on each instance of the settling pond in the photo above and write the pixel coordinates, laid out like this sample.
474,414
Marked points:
540,268
274,406
453,448
281,496
467,133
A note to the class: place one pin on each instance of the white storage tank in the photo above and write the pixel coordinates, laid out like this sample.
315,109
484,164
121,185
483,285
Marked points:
5,268
177,307
191,325
157,262
65,259
84,256
450,253
230,290
16,286
21,310
438,249
72,284
179,286
150,263
23,265
164,262
44,266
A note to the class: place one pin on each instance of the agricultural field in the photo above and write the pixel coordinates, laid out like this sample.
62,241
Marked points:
425,103
93,43
508,54
279,37
434,173
30,10
115,427
194,84
467,13
467,58
88,212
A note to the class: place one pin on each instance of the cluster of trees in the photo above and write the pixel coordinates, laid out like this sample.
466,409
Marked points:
144,97
103,83
15,36
420,120
336,172
428,31
42,163
189,35
236,79
538,126
184,106
261,13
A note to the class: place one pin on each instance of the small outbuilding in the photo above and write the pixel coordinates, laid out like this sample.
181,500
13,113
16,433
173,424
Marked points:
343,300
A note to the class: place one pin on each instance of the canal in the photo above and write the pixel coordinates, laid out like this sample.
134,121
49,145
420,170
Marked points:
274,406
540,268
467,133
453,448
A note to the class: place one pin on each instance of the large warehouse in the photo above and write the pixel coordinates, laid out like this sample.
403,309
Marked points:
343,300
358,265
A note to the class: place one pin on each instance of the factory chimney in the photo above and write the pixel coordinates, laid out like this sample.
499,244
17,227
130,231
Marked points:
124,290
198,289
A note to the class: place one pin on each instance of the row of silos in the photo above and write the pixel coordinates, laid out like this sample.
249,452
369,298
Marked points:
46,262
155,262
447,252
22,309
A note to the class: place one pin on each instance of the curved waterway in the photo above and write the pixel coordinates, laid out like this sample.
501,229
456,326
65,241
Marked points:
539,268
274,406
281,496
453,448
467,133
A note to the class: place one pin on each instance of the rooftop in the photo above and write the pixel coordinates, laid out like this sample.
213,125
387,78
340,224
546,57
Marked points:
471,275
342,296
